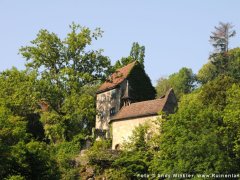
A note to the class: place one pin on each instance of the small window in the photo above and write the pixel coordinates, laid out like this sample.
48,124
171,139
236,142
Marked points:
112,111
113,94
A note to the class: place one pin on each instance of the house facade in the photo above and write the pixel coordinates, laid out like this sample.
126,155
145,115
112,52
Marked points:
121,89
131,116
126,100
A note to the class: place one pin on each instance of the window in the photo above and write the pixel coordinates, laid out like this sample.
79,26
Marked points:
112,111
113,94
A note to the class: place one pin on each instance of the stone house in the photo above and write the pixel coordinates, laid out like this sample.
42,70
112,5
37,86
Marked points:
127,99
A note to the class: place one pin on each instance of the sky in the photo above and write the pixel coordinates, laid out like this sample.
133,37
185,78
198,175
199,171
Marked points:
175,33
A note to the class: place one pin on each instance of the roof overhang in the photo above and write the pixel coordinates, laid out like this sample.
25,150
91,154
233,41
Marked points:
133,117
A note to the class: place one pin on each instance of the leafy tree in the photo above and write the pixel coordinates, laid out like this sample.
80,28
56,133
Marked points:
137,53
182,83
214,92
234,64
163,85
22,155
18,91
196,138
220,37
206,73
66,69
231,121
65,155
227,64
189,142
134,159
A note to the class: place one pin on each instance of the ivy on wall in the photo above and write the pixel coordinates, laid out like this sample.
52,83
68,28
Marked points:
141,88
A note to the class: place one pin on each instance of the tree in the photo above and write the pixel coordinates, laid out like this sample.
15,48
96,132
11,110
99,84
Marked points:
231,120
201,137
227,64
22,154
135,158
190,141
182,82
207,73
137,53
163,85
220,37
66,72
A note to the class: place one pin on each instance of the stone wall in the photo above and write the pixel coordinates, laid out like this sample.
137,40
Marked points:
105,102
122,129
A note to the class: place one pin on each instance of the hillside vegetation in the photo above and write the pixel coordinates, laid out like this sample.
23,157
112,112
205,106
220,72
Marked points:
47,113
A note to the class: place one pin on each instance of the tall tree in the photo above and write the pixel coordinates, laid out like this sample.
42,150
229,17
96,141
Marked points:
137,53
196,140
220,37
65,69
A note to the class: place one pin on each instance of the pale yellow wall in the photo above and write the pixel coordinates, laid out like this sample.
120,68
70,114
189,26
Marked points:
122,130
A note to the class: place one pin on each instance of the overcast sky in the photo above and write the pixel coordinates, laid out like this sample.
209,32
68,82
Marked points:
175,33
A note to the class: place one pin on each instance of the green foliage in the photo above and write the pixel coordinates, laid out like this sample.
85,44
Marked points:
67,72
17,91
214,92
65,63
65,153
100,151
190,142
231,121
227,64
163,85
233,63
137,53
21,155
100,155
15,177
48,110
135,157
113,174
182,82
37,143
140,83
206,73
199,138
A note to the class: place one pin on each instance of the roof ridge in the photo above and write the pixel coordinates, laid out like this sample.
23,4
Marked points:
117,77
152,107
147,100
126,65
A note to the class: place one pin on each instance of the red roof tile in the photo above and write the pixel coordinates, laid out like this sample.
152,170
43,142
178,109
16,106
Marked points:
117,77
144,108
138,109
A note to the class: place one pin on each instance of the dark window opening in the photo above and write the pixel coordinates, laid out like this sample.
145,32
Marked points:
113,94
112,111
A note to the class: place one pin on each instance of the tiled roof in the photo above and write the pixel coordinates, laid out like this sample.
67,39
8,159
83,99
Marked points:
116,78
144,108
